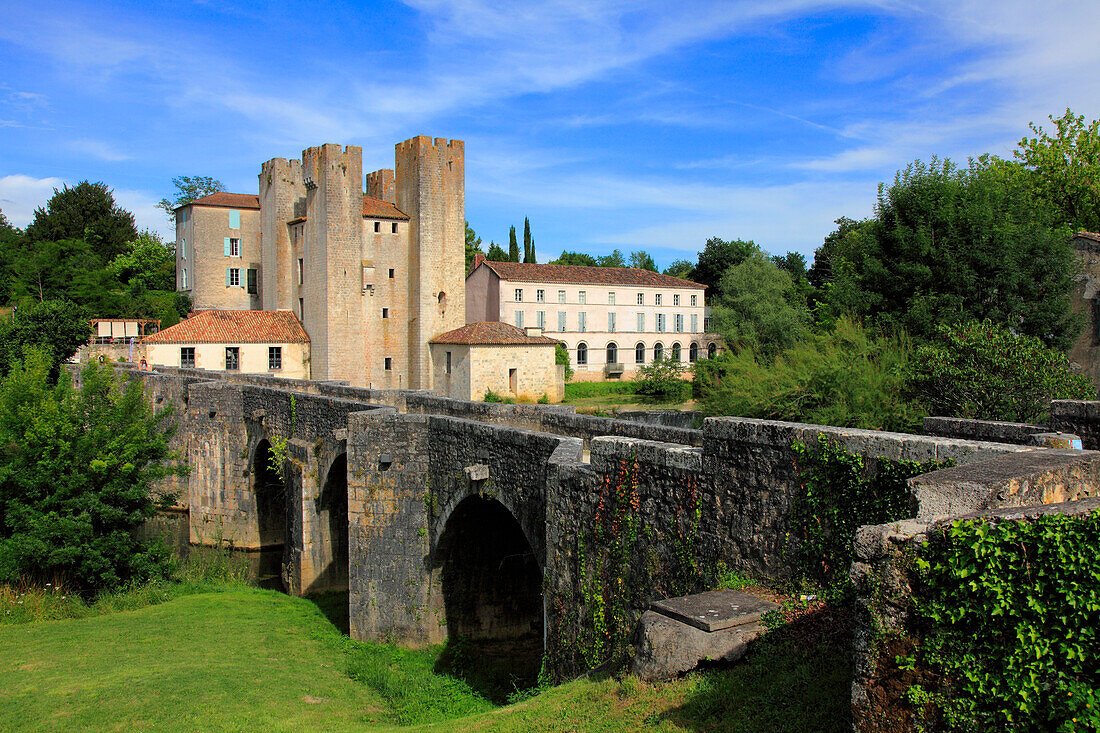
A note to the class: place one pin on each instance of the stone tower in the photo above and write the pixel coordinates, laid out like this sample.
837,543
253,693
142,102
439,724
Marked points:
281,189
430,188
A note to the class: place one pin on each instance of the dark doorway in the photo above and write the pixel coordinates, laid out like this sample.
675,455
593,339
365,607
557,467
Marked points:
492,595
271,516
332,511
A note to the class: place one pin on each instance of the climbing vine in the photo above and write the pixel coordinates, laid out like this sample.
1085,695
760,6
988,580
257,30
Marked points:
277,450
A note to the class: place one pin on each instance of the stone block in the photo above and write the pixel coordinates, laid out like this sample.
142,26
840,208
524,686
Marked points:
666,647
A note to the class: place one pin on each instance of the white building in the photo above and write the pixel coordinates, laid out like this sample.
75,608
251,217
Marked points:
612,319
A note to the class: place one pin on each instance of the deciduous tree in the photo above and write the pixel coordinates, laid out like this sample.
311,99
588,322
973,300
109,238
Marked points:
1065,168
189,188
86,211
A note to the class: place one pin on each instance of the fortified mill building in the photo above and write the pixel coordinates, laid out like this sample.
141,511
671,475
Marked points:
371,276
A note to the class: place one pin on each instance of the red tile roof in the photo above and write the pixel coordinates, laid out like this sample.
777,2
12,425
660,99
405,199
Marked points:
227,200
490,332
378,209
582,275
234,327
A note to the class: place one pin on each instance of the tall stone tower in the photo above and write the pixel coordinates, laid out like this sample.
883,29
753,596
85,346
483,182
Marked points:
430,187
281,189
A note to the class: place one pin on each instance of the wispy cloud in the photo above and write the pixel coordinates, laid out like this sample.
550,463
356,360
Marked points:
20,195
98,150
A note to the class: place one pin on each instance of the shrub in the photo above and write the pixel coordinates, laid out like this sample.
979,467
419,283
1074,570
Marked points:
77,469
545,399
561,356
491,396
661,380
982,371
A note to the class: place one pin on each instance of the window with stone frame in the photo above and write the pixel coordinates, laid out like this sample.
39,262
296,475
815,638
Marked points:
187,357
232,358
274,357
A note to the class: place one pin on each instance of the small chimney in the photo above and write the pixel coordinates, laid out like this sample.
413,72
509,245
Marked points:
533,331
478,259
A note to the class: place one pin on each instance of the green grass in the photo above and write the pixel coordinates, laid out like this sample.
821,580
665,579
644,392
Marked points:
611,396
249,659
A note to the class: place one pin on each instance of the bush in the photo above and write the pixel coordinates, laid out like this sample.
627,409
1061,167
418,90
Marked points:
491,396
77,470
982,371
561,356
661,380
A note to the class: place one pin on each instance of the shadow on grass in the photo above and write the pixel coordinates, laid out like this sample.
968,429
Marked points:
501,671
334,606
796,678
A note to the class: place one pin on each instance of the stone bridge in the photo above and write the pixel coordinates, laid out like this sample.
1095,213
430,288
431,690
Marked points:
511,522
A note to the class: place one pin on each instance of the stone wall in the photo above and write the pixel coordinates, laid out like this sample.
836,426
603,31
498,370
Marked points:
986,430
1080,417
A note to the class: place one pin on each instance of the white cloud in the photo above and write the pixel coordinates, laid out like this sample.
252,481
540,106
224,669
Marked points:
20,195
99,150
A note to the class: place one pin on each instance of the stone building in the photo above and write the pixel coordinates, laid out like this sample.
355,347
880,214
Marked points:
612,319
513,362
1085,298
243,341
371,276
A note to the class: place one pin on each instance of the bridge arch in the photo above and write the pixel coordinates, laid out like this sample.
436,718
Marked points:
332,526
272,523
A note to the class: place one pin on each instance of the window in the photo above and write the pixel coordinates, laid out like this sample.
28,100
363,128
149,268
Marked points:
611,322
540,296
391,273
385,312
234,247
707,323
274,357
658,351
301,271
695,323
612,353
639,353
561,296
252,286
676,299
301,310
641,298
393,228
183,279
519,295
377,227
232,358
641,322
678,323
519,319
693,352
582,321
611,298
234,220
712,350
660,323
187,357
582,296
582,353
540,319
676,351
388,363
448,362
233,277
657,299
694,300
183,249
561,321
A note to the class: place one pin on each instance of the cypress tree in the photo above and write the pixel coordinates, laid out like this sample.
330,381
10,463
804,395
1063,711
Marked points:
528,242
513,246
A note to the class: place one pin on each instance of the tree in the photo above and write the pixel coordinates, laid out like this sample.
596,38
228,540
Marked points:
76,477
662,380
496,254
949,245
10,239
57,327
760,308
189,188
86,211
473,246
1066,168
528,243
821,271
982,371
642,261
680,268
561,356
717,257
615,259
575,258
148,264
513,246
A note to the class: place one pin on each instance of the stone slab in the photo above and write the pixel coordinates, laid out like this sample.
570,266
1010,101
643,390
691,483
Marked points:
666,648
715,610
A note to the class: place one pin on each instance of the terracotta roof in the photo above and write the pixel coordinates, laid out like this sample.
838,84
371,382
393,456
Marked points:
228,200
490,332
379,209
583,275
234,327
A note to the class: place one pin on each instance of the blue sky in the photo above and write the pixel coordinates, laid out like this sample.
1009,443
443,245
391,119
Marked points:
636,125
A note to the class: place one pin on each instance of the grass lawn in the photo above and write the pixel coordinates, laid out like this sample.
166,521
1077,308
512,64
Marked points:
612,396
252,660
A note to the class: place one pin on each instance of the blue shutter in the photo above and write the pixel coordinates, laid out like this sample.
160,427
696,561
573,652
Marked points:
226,243
234,220
227,277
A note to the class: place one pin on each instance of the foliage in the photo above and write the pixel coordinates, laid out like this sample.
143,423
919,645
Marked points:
680,268
87,211
642,261
561,356
759,308
717,257
841,492
615,259
147,264
189,188
1066,168
846,376
76,477
661,379
491,396
1010,611
821,271
496,254
473,246
575,258
982,371
528,242
948,245
57,328
513,246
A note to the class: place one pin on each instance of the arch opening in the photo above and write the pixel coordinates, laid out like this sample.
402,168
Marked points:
492,597
272,521
332,514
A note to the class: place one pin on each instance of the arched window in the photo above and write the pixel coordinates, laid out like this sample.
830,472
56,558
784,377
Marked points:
639,353
658,351
676,351
582,353
612,353
712,350
693,352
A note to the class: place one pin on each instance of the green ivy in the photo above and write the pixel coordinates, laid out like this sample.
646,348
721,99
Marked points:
1011,620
